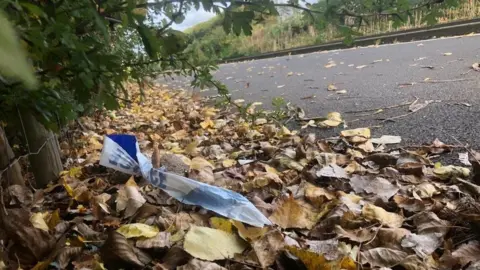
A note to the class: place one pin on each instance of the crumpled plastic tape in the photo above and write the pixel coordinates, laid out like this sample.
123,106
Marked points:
122,153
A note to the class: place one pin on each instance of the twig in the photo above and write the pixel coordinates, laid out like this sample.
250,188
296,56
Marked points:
371,240
383,108
446,81
403,115
10,165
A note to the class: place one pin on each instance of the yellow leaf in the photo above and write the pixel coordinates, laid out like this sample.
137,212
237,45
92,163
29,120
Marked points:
372,212
356,135
209,112
333,119
317,196
315,261
211,244
42,265
447,54
293,213
228,163
249,233
54,219
221,224
207,123
331,87
38,221
95,144
181,134
191,148
137,230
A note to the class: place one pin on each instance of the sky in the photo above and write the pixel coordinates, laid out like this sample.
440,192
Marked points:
193,17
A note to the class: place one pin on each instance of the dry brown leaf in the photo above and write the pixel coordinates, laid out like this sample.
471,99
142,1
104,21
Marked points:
409,204
425,190
116,251
249,233
429,222
359,235
327,248
378,186
129,198
195,264
375,213
317,195
291,213
423,244
201,170
268,247
382,257
314,261
464,254
161,240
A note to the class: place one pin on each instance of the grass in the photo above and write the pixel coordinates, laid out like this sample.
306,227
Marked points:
211,43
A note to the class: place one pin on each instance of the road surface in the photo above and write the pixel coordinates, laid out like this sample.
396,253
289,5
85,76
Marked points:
437,71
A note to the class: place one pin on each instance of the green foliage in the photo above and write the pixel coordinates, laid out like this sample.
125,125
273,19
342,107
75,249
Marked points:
12,58
80,53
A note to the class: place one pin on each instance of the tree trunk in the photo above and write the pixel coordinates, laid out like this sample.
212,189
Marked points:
46,165
13,175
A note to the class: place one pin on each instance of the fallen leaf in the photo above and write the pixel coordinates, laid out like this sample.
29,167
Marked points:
221,224
330,64
314,261
360,67
327,248
160,240
249,233
211,244
357,135
333,119
423,244
129,198
38,221
201,170
465,253
227,163
476,66
359,235
425,190
382,257
196,264
463,157
375,213
418,106
280,86
387,139
428,223
341,92
117,251
378,186
137,230
332,170
447,54
331,87
291,213
317,195
409,204
268,247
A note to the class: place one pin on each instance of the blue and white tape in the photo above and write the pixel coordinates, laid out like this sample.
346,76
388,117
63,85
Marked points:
121,152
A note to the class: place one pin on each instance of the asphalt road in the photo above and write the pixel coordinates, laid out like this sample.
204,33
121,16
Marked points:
393,74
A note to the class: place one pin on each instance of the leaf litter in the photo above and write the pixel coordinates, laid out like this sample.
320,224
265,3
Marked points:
336,204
